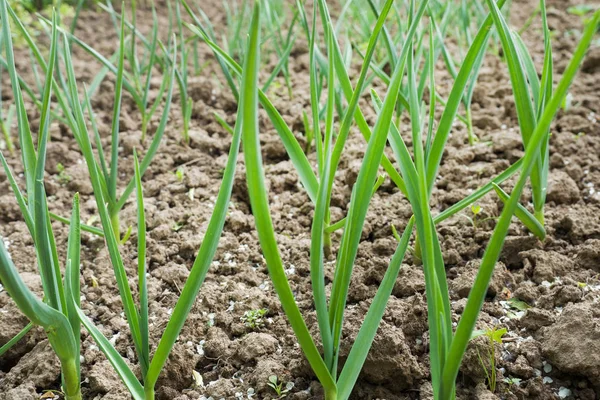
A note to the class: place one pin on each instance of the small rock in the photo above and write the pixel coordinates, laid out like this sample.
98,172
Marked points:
102,377
531,349
217,343
500,279
398,368
591,63
562,189
40,366
264,369
521,368
535,318
589,255
564,392
572,344
545,265
486,122
254,345
568,294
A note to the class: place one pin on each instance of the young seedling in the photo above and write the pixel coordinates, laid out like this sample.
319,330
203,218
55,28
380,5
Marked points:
328,315
179,174
254,319
280,390
137,315
141,69
532,95
6,117
494,335
419,175
66,100
53,313
475,219
63,176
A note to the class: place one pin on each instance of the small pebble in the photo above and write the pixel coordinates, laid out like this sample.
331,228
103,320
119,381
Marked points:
563,392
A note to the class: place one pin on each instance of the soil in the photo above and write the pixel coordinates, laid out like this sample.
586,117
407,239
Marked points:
551,350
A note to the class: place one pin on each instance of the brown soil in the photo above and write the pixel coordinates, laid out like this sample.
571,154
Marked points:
553,346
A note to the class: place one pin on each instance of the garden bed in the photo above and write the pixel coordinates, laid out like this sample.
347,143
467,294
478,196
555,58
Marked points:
237,335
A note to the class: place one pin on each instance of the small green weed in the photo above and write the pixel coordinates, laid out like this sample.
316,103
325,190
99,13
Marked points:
254,319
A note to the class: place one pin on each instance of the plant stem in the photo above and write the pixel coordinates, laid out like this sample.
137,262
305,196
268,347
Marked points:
71,380
9,144
472,138
539,215
417,249
331,393
327,236
149,391
144,128
114,220
186,132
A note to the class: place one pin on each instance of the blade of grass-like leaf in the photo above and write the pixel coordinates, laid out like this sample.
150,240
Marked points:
91,51
219,56
283,59
526,113
113,356
479,289
352,96
432,90
109,234
523,214
50,271
361,193
99,147
8,345
27,150
296,153
260,208
547,87
389,42
114,144
529,67
84,227
314,91
320,220
368,329
62,100
207,249
433,267
158,135
223,123
72,289
142,284
39,313
152,55
18,195
454,100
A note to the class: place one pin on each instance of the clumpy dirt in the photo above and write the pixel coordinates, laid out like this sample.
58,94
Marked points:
552,346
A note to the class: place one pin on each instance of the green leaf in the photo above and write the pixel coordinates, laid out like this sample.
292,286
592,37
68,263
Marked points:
113,356
523,214
9,345
479,289
72,271
518,304
368,329
142,271
260,208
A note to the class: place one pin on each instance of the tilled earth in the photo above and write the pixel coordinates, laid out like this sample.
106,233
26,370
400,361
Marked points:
551,350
